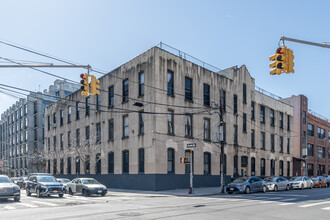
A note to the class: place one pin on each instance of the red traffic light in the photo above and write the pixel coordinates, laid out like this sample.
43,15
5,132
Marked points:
82,76
279,50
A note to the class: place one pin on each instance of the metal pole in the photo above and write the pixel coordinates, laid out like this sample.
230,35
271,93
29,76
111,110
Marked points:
191,173
304,42
221,143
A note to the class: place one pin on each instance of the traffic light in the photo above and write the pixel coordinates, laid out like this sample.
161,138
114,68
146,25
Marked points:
290,63
278,61
84,84
184,160
95,86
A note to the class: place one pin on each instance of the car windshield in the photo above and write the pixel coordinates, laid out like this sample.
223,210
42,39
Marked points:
315,178
269,179
241,180
299,178
46,179
4,179
90,181
63,180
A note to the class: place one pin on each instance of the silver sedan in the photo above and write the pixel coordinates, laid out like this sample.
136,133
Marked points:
277,183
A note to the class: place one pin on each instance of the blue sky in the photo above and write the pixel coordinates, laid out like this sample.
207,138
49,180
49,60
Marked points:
106,34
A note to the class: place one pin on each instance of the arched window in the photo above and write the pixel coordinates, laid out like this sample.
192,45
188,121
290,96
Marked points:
262,167
77,165
281,167
207,163
125,161
253,166
170,160
272,167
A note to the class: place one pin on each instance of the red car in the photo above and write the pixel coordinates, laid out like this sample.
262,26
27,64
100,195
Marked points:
319,181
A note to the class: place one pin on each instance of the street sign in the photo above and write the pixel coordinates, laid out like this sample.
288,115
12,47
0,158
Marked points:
191,145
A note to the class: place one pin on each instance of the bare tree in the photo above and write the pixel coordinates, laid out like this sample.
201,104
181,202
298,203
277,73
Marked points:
4,166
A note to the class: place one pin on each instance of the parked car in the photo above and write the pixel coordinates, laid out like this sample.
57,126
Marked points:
328,181
319,181
86,186
64,182
246,185
301,182
21,182
43,185
277,183
8,189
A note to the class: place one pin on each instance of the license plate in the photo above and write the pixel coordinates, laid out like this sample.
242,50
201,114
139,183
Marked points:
231,188
100,191
55,191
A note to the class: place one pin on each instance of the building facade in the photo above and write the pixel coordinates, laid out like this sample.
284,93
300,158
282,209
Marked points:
22,130
134,133
311,145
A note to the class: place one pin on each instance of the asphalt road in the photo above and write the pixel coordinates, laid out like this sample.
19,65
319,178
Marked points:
294,204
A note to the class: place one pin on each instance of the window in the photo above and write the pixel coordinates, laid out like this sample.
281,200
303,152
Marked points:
111,130
281,144
54,166
170,83
288,122
141,123
187,166
288,168
252,139
141,160
207,129
125,90
77,165
272,117
235,166
170,160
310,130
207,163
188,126
329,136
252,110
48,122
98,163
69,166
111,162
77,138
170,122
98,133
281,120
87,133
141,84
262,114
125,161
272,143
304,138
244,93
272,167
320,133
223,99
69,114
253,166
61,142
125,126
310,150
288,146
262,167
235,135
188,89
262,140
98,102
87,106
320,169
281,167
111,96
235,104
87,164
310,169
61,117
77,111
304,117
244,161
320,152
244,122
206,89
62,166
54,119
54,142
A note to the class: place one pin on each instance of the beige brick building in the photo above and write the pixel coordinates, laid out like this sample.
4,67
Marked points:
139,146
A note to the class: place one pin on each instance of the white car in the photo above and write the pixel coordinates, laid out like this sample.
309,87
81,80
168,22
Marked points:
301,182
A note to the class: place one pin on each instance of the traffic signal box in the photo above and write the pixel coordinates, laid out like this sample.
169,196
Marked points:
95,86
282,61
184,160
84,84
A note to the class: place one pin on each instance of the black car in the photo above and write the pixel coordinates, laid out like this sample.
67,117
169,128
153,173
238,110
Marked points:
21,182
43,186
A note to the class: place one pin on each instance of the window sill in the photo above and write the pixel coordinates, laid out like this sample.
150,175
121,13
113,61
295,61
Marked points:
190,137
111,140
140,96
207,140
189,100
142,134
262,148
126,137
171,134
126,101
171,95
110,106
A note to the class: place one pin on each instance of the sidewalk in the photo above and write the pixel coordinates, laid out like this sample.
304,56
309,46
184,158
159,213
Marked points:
176,192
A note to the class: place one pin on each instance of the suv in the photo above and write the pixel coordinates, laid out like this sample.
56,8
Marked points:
8,189
43,185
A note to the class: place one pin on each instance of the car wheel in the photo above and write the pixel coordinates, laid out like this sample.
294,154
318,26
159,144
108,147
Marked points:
84,193
28,192
247,190
17,198
60,195
275,188
264,189
311,187
230,192
287,188
103,194
302,186
38,193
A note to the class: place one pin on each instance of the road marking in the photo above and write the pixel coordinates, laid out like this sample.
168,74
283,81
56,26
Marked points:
27,205
265,202
286,203
296,195
314,204
9,207
44,203
327,208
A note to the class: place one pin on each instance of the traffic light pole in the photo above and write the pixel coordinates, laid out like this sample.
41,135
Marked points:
191,174
222,144
304,42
